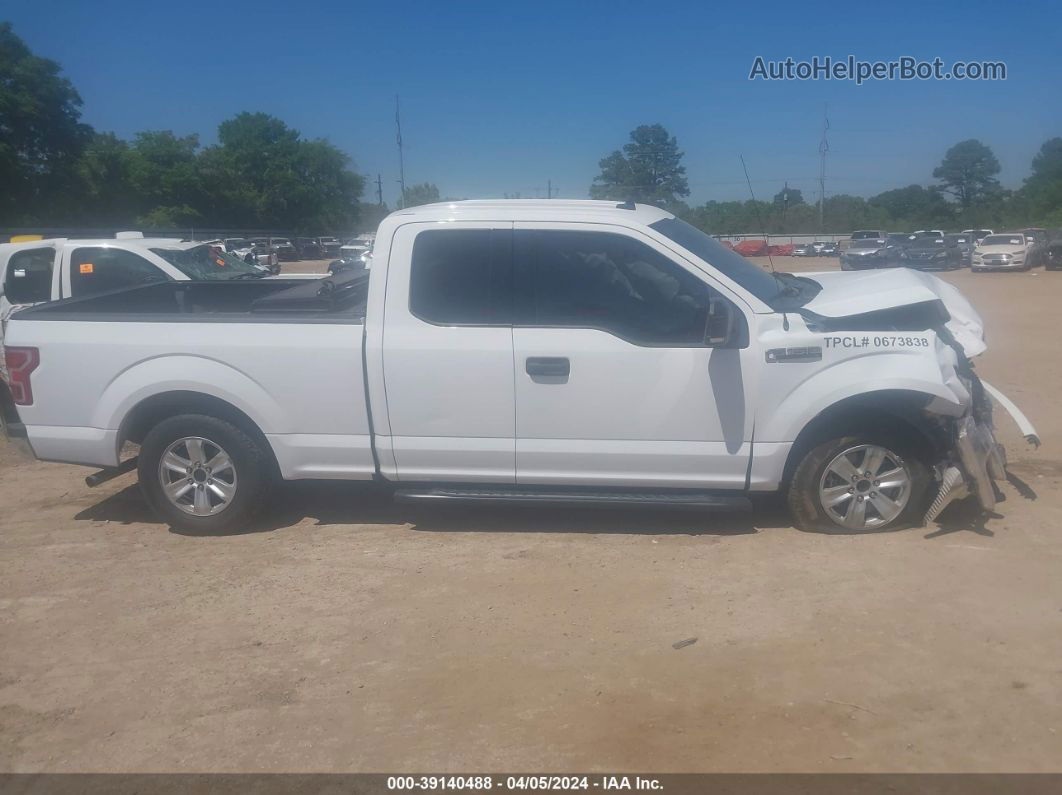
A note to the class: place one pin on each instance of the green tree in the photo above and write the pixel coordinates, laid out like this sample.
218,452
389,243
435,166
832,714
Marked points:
913,207
968,172
263,174
788,197
41,135
164,177
425,193
369,216
105,190
648,170
1043,189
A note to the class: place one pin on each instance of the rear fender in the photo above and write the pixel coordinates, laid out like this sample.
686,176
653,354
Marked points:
199,374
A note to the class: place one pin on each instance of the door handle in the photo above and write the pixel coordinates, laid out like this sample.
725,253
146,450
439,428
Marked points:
548,365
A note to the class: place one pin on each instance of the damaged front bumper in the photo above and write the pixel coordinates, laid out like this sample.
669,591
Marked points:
978,461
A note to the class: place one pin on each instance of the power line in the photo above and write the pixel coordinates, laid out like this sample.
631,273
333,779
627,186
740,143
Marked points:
401,162
824,147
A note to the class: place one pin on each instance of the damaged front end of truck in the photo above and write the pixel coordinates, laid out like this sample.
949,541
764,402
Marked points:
970,460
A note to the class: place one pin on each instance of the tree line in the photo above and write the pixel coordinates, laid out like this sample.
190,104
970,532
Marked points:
966,194
56,170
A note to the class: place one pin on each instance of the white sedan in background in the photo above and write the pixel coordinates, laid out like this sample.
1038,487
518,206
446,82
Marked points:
1008,251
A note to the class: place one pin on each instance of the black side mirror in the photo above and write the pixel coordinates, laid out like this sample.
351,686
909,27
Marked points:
725,325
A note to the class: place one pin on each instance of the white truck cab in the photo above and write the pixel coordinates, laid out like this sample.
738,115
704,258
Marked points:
576,352
52,269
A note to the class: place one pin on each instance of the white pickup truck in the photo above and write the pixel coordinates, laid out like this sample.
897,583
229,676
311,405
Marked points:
48,270
573,352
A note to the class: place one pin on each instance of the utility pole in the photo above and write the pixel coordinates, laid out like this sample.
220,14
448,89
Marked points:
824,147
549,188
401,162
785,203
379,190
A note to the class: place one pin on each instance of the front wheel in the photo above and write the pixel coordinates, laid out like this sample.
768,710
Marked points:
860,484
202,473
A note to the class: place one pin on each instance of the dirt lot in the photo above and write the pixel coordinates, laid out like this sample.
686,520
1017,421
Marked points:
348,634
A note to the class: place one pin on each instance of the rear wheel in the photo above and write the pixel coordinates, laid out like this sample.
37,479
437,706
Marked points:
203,474
860,483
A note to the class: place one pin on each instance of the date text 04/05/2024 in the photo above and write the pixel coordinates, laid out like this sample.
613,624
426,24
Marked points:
522,782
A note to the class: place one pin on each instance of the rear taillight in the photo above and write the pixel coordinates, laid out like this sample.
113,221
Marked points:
21,362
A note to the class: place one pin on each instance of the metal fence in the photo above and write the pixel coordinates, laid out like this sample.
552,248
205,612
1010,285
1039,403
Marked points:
188,233
781,240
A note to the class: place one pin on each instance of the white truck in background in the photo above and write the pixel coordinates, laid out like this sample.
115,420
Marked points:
44,270
572,352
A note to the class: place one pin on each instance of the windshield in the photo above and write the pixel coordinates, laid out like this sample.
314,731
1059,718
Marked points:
869,243
207,262
927,242
863,235
731,264
1003,240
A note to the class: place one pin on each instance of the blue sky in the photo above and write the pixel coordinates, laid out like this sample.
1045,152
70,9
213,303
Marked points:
499,97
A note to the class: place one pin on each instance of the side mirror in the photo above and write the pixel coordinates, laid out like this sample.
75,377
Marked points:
725,325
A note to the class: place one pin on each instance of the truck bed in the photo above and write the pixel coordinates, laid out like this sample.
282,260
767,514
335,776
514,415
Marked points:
339,299
288,355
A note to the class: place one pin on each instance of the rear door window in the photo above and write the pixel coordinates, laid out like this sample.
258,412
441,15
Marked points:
99,270
462,277
29,276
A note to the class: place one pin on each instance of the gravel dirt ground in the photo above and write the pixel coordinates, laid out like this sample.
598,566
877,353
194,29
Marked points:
349,634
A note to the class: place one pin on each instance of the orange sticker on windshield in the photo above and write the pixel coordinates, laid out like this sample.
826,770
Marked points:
220,262
86,267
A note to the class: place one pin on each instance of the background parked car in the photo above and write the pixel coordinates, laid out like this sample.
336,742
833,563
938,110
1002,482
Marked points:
869,253
928,252
751,248
258,251
978,234
308,247
1037,240
286,251
966,245
1007,251
329,246
830,250
1053,256
803,250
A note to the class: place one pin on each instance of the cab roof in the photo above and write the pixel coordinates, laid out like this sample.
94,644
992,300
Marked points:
535,210
132,243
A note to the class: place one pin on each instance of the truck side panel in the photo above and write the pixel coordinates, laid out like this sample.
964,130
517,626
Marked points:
300,384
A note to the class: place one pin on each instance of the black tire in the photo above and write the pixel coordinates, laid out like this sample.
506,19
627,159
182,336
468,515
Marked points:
251,465
803,493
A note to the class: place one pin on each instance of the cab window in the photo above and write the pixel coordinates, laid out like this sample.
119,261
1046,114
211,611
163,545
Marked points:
99,270
462,277
29,276
609,282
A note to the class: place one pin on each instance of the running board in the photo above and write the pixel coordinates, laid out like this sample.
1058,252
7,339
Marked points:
510,495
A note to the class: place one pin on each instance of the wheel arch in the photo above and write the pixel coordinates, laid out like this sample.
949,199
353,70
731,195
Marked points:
893,410
152,410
